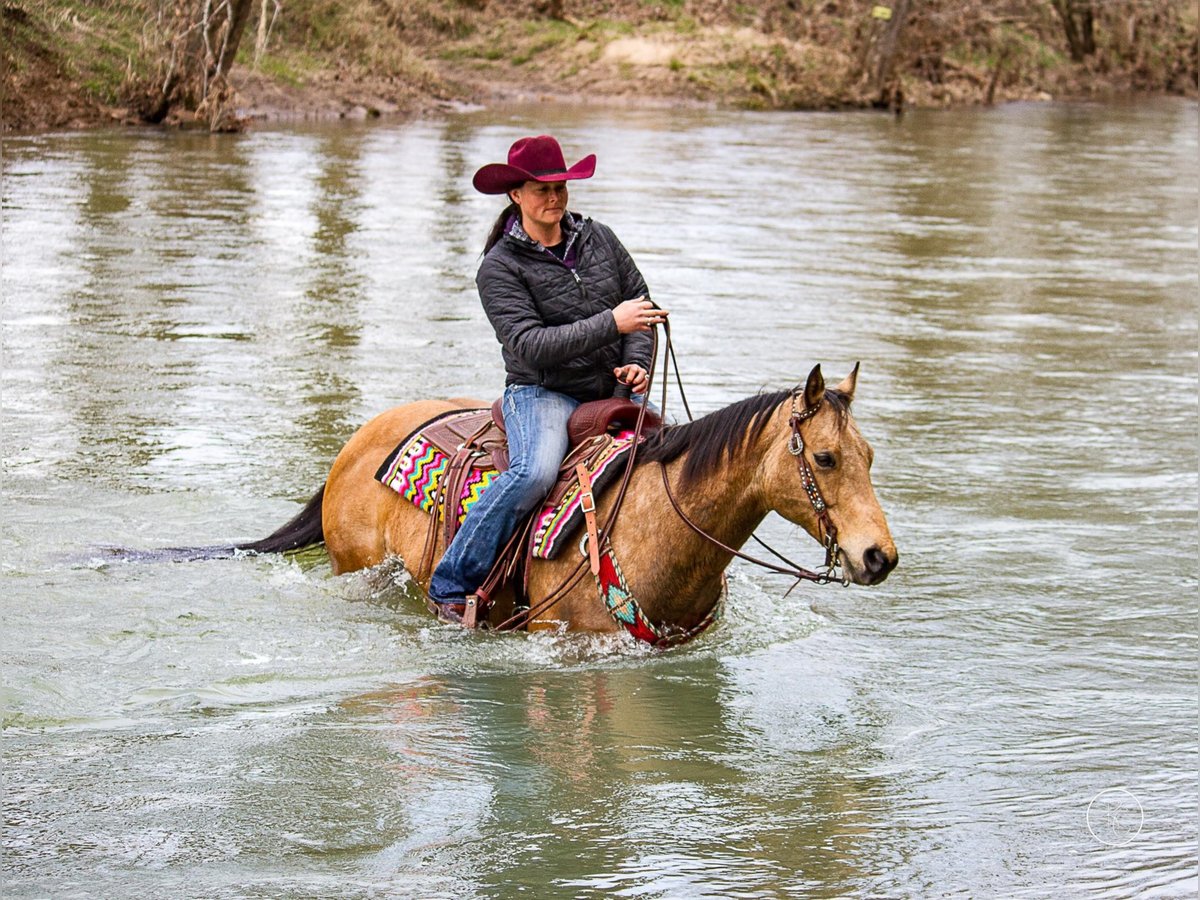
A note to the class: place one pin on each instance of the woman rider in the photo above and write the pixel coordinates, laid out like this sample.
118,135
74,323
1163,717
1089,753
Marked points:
571,312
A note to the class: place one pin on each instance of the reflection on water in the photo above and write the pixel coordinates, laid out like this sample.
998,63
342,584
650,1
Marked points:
194,324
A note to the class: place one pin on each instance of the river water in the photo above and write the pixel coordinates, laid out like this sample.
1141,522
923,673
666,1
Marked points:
194,324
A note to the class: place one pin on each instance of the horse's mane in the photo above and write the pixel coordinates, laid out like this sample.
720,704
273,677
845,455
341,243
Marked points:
714,438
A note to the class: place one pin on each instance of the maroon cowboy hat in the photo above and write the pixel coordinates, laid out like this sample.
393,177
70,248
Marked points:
531,159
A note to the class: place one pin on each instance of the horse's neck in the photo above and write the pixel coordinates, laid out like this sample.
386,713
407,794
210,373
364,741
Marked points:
678,572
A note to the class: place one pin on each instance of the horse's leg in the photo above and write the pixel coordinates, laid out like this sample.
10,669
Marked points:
359,515
579,607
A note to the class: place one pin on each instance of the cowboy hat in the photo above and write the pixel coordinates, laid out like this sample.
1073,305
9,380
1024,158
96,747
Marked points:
531,159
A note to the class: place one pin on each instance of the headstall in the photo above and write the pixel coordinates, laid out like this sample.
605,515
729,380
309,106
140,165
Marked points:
827,530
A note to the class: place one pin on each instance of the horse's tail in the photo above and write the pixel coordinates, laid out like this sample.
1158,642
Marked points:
302,531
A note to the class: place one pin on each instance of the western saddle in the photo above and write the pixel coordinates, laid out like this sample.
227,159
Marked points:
476,439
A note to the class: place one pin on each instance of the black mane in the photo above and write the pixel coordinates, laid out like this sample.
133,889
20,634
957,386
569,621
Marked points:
715,438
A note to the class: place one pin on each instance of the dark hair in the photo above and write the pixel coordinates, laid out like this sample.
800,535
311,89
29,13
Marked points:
715,438
501,223
711,439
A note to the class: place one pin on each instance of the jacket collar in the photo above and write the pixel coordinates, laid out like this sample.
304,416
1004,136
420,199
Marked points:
572,225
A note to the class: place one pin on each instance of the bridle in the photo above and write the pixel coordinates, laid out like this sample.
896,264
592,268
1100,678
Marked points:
826,528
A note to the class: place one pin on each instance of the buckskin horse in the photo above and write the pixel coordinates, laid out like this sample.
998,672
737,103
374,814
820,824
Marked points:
695,496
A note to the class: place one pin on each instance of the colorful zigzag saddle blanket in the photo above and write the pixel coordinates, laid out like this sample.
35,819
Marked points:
418,470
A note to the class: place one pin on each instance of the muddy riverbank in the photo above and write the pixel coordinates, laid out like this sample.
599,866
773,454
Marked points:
66,66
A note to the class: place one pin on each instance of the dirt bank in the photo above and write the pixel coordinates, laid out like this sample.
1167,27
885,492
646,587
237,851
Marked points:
72,65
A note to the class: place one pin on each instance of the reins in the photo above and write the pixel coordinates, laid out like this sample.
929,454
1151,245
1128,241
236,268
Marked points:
795,446
522,618
798,572
807,480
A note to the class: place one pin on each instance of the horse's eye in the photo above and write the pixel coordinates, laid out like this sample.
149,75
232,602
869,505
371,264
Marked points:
825,460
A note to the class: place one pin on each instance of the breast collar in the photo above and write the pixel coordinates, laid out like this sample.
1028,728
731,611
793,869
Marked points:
623,606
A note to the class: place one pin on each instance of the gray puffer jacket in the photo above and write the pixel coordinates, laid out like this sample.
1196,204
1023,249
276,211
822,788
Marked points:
554,323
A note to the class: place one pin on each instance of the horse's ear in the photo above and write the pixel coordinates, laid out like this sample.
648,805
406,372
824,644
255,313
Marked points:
847,386
814,390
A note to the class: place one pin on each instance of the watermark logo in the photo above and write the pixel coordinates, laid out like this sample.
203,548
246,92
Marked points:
1115,817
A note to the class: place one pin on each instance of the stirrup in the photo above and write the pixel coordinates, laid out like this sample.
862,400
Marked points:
470,611
453,612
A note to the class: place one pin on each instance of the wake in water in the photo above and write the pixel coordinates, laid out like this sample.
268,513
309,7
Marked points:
103,555
304,530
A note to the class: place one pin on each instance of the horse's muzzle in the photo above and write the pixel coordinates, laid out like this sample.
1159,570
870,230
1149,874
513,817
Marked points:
876,564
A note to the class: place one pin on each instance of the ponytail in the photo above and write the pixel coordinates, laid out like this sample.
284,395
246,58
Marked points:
500,225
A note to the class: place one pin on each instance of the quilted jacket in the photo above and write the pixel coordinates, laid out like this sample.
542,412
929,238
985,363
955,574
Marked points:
555,323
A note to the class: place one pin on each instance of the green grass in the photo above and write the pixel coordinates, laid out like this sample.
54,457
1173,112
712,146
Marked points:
104,82
489,51
543,36
293,70
610,28
686,25
95,44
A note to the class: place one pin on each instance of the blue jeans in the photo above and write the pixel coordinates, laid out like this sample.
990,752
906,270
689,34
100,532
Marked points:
535,420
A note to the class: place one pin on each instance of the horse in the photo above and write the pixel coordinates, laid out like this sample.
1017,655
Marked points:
695,495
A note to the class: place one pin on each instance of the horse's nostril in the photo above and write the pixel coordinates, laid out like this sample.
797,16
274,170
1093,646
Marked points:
876,562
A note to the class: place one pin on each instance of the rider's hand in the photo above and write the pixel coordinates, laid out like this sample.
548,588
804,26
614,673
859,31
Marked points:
639,314
634,376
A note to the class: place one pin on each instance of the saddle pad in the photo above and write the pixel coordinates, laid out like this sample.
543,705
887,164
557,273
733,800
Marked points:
557,522
416,468
415,472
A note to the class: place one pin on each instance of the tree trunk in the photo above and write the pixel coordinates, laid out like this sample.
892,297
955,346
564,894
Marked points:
1078,20
879,55
202,40
990,98
238,15
264,28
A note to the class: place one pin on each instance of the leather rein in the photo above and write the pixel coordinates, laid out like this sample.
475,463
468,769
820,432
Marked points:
826,527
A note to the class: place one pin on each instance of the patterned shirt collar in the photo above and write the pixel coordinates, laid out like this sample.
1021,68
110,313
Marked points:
569,225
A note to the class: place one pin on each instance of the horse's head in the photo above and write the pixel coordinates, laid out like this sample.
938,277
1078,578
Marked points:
822,446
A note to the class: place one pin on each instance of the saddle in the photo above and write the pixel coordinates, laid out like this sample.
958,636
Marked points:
462,451
483,429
